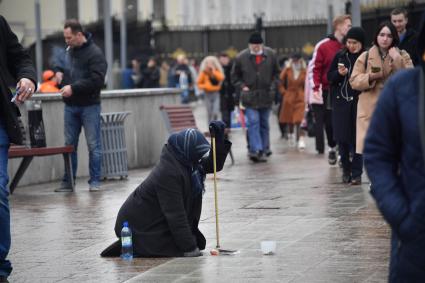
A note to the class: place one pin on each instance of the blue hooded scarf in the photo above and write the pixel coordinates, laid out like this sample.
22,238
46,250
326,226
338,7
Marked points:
189,146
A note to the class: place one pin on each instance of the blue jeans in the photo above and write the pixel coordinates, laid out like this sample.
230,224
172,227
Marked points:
88,117
258,129
5,265
185,96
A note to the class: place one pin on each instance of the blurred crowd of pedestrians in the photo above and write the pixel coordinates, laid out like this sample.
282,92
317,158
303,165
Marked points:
368,102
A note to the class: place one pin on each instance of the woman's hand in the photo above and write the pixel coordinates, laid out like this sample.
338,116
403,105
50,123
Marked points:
394,53
342,70
375,76
210,68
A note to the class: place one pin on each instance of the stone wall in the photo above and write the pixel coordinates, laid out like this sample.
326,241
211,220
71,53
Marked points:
145,131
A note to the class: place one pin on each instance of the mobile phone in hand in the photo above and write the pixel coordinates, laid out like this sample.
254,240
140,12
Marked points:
15,95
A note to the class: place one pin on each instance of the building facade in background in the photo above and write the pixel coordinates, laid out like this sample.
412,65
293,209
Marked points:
170,13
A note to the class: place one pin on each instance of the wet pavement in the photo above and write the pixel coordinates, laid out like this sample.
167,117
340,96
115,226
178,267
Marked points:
325,231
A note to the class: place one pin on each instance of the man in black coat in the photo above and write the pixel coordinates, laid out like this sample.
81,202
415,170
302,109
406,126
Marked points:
82,76
14,61
150,75
227,90
408,37
163,212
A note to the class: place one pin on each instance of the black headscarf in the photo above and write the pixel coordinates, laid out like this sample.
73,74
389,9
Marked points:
189,146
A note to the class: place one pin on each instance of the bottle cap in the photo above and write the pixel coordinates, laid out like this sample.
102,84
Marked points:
125,224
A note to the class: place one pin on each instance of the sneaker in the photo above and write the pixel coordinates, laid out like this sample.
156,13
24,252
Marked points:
357,181
253,156
332,158
3,279
262,157
257,157
65,187
301,144
94,188
268,152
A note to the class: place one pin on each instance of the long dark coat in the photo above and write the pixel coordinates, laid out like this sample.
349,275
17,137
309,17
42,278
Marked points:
344,98
410,43
227,90
394,159
150,77
14,61
162,212
260,79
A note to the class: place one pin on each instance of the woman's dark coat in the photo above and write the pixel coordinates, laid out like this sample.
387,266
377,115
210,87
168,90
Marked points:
163,212
394,161
14,61
344,98
227,90
150,77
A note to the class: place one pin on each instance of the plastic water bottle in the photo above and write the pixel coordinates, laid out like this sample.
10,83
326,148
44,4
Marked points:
126,242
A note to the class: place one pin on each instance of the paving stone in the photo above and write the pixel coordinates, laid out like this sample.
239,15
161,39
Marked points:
325,231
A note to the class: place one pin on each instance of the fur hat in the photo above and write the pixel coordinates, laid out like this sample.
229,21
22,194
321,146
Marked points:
255,38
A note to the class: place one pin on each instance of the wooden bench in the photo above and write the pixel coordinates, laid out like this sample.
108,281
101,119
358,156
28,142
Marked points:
180,117
27,154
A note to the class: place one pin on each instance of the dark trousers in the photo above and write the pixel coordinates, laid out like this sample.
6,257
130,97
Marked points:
226,117
352,167
282,126
323,119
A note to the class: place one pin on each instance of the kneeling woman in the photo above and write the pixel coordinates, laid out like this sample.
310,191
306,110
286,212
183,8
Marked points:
164,211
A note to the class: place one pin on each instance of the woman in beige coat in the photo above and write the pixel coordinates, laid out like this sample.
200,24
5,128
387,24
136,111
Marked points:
370,72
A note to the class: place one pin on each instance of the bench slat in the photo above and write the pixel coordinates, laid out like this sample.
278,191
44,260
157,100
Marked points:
179,117
15,152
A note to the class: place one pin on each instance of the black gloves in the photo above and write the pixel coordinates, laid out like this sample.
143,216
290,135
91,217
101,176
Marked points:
217,130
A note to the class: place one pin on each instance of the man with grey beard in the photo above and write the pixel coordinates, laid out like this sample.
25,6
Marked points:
255,74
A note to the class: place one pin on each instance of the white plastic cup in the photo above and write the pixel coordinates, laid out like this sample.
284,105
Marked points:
268,247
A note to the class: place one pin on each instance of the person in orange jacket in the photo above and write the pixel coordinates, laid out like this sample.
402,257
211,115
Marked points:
49,82
211,76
